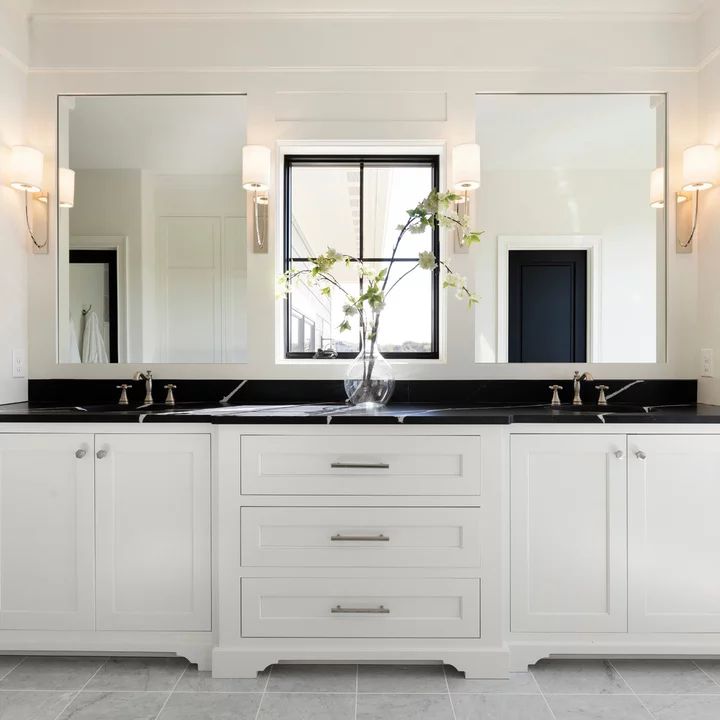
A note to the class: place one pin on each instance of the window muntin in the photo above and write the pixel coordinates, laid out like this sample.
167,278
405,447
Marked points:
354,204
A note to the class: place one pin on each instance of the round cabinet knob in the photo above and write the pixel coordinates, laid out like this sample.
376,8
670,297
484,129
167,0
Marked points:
81,453
101,454
640,455
619,454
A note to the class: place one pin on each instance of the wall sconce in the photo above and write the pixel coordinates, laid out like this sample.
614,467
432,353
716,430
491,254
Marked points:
466,179
657,190
66,189
26,175
700,173
256,179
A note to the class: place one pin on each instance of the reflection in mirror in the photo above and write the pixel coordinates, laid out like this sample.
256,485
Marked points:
152,257
573,258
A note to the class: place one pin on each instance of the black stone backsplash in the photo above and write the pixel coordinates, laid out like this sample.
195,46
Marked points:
444,392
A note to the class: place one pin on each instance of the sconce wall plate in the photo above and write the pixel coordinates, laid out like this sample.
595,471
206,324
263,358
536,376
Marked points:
467,179
256,172
260,223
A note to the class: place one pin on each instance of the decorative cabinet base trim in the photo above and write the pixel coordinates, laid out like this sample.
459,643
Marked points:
196,648
246,663
522,655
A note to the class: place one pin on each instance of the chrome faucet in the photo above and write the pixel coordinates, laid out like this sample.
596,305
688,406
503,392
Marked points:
147,377
577,379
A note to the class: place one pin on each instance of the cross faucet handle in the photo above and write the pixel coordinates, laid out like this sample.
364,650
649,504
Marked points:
555,397
602,400
123,394
170,398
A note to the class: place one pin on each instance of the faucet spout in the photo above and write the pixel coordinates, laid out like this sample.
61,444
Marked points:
147,377
577,379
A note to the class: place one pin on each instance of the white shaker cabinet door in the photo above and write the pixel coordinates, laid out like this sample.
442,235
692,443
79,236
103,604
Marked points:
46,532
153,532
568,533
674,533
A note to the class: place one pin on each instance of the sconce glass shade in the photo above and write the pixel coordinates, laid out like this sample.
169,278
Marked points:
66,188
26,168
657,188
700,167
256,167
466,166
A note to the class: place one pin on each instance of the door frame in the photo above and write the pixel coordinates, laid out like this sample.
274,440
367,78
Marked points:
590,243
118,243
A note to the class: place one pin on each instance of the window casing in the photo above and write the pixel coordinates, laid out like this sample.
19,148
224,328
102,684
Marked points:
379,189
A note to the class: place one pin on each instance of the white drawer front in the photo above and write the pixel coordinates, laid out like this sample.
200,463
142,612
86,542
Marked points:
360,537
368,465
360,607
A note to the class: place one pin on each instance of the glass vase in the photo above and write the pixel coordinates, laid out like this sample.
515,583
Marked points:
369,381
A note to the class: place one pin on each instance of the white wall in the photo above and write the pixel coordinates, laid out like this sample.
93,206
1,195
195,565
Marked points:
403,78
13,237
708,239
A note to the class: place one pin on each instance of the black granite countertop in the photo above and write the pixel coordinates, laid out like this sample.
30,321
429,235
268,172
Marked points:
336,413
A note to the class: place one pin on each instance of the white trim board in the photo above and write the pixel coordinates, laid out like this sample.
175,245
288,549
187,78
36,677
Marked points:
591,243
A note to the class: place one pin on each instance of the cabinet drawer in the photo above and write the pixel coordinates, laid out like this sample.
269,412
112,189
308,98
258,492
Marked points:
368,465
360,537
360,607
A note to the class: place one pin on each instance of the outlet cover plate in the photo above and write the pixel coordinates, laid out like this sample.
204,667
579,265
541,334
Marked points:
707,363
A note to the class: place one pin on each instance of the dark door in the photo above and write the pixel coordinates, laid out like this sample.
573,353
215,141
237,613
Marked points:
547,311
106,261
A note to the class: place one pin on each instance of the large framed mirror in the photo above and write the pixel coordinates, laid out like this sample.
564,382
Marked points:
152,254
573,261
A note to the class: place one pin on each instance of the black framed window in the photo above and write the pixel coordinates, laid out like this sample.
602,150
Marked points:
354,203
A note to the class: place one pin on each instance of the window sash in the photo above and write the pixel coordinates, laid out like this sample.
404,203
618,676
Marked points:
362,161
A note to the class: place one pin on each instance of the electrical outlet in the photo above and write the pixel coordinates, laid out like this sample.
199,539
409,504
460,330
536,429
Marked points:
707,361
18,363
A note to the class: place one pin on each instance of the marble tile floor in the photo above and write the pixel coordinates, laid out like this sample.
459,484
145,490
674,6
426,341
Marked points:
124,688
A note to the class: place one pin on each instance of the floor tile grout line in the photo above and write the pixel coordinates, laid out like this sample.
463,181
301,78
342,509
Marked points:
15,666
542,694
710,677
640,700
264,692
447,685
77,694
357,685
170,694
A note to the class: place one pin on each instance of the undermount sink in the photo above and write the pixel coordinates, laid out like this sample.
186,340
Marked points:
598,409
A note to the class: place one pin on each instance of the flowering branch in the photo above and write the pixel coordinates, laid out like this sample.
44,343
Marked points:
434,211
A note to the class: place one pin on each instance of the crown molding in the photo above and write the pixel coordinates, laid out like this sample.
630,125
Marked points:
374,15
13,59
709,58
329,69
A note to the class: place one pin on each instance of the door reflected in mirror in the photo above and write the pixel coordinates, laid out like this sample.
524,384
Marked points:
572,263
152,257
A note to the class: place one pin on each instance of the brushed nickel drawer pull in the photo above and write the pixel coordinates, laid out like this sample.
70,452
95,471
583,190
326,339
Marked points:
355,466
382,610
360,538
